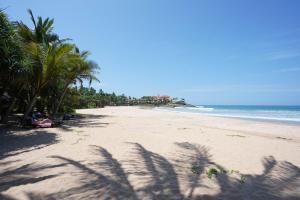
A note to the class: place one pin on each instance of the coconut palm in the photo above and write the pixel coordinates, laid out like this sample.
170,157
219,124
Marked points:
78,70
41,33
47,55
46,64
49,65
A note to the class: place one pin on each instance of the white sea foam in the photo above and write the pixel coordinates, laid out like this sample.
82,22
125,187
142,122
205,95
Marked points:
202,108
256,117
278,115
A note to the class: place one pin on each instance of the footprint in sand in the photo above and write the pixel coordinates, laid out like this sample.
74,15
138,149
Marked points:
184,128
283,138
241,136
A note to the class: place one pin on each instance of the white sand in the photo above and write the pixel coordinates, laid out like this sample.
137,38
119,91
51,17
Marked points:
134,153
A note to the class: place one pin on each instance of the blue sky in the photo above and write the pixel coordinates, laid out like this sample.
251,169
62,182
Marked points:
208,52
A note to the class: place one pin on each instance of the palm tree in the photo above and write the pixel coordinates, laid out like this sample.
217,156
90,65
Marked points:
47,55
46,64
80,68
42,32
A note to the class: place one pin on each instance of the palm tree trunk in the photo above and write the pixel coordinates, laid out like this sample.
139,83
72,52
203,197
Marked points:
11,106
61,98
7,113
30,106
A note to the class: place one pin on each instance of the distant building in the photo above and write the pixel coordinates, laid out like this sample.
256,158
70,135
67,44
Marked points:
162,99
178,101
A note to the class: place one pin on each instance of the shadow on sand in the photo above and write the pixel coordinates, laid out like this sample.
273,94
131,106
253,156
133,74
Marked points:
148,175
84,121
17,141
25,174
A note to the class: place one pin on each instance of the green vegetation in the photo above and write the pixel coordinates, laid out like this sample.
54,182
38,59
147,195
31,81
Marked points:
37,68
243,179
82,97
196,169
211,171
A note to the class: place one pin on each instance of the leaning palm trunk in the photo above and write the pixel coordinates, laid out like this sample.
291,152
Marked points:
30,106
61,98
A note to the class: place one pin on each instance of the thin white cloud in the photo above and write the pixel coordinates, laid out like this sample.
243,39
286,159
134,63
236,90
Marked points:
284,70
240,89
282,55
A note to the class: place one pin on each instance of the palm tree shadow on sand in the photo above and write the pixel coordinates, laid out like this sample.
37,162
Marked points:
13,142
148,175
92,121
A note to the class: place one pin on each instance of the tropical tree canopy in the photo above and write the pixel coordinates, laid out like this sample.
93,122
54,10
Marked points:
37,68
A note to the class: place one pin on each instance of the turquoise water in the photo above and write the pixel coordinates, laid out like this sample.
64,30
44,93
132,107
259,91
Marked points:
278,113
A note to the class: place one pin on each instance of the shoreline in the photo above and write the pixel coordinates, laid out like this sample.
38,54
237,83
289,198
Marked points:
262,119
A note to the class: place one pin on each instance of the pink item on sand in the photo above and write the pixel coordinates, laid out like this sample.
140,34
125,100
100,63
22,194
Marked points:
44,123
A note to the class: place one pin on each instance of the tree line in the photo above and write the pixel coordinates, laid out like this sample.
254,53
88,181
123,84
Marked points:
83,97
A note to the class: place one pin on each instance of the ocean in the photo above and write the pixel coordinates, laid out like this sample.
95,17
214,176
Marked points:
273,113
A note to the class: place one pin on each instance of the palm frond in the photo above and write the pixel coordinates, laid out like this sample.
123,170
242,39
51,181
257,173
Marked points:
32,17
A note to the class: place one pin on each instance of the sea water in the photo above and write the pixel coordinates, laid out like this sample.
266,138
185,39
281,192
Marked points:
277,113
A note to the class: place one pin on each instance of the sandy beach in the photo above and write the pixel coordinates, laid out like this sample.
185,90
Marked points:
140,153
